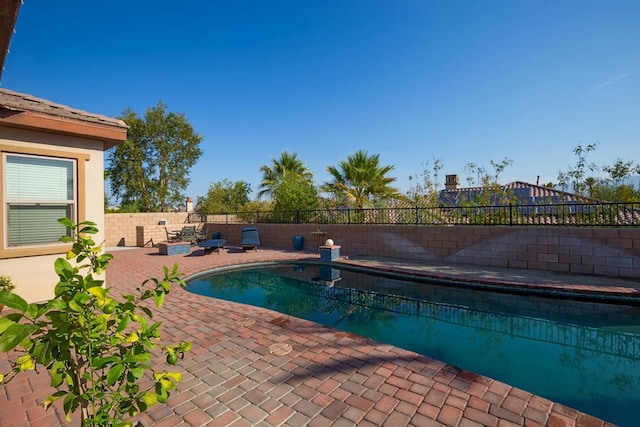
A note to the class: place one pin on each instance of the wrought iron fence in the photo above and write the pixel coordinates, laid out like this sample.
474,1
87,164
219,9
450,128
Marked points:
569,214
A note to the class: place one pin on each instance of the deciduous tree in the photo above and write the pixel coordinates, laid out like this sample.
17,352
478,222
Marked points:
224,196
295,192
151,168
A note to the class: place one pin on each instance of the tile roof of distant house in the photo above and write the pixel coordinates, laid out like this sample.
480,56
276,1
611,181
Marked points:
535,191
541,191
20,102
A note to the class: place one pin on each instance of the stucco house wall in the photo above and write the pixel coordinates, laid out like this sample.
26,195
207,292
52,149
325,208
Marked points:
37,127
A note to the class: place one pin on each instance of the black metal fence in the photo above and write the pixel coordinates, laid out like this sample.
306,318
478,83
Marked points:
570,214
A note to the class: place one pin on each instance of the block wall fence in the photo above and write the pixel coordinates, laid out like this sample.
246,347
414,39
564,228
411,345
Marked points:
597,251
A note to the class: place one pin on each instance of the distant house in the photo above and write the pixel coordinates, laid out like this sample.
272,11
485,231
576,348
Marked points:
518,192
52,166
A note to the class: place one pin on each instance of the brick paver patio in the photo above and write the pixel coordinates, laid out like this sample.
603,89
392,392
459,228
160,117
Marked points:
236,376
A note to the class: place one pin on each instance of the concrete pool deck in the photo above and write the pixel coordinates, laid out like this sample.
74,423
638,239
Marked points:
252,366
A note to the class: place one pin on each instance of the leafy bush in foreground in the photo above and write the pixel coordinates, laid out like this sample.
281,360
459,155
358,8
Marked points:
98,350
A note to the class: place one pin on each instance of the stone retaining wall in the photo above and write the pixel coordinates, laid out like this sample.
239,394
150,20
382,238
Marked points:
123,229
600,251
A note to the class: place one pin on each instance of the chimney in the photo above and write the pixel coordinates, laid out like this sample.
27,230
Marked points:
452,182
189,205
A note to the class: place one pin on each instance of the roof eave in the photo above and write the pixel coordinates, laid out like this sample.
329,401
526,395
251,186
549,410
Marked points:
109,135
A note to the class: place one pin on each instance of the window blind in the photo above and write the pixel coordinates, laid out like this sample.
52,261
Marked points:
38,191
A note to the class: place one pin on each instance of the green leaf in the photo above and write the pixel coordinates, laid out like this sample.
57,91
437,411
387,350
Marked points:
14,334
46,404
63,267
71,402
158,297
57,373
114,374
75,306
142,357
14,301
137,372
150,398
101,362
56,304
123,323
147,311
42,352
66,222
89,229
5,322
26,363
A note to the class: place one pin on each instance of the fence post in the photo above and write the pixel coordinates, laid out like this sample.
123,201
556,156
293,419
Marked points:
348,215
297,216
417,216
611,215
510,214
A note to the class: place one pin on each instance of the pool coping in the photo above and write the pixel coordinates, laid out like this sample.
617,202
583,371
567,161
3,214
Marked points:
587,293
618,291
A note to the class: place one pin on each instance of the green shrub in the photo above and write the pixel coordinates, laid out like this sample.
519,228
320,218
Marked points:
97,349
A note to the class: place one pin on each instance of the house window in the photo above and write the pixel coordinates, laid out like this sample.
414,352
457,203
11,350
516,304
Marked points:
38,190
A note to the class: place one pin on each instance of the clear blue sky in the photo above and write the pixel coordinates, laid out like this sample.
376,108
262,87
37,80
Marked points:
412,80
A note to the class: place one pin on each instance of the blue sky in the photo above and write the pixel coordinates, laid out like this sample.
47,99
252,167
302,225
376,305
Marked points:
463,81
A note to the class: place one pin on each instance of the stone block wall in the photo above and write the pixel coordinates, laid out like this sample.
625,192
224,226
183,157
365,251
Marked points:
598,251
122,229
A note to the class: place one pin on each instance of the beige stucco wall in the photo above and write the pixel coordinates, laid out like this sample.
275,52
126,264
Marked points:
35,276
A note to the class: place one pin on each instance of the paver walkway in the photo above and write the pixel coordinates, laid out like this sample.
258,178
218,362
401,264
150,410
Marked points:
252,366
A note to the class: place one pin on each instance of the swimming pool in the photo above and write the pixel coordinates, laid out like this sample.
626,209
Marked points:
583,354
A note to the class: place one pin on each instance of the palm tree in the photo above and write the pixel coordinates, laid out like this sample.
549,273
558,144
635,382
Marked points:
360,179
274,175
590,182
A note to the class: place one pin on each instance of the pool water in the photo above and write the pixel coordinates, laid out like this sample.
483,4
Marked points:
582,354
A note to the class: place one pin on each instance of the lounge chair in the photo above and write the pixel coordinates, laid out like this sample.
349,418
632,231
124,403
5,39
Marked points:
250,239
212,245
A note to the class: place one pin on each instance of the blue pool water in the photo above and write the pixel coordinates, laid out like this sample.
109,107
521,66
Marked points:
582,354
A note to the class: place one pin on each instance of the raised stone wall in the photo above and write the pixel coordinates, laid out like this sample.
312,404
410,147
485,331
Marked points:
600,251
122,229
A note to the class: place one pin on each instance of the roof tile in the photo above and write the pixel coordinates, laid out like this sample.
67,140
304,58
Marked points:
16,101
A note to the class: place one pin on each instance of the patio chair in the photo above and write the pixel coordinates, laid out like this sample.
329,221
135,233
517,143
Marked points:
201,234
250,239
172,236
188,234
